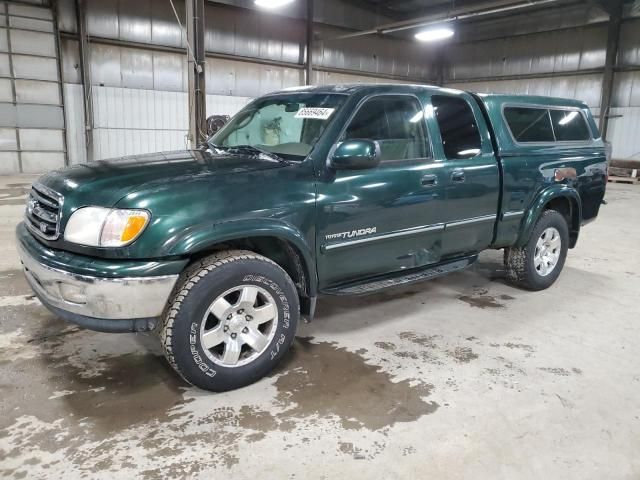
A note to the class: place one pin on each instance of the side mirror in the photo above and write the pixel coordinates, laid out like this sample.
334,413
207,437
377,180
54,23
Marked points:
356,155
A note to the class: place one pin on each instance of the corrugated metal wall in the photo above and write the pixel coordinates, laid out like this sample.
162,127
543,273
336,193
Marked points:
138,90
566,63
31,112
625,124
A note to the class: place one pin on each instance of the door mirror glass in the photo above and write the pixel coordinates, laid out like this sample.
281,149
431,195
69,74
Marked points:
356,154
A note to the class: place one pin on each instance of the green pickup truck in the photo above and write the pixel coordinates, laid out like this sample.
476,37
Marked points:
333,190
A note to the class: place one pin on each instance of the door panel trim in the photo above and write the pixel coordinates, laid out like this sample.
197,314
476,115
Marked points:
384,236
513,214
468,221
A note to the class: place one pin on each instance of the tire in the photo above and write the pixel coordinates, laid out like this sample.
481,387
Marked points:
524,268
202,335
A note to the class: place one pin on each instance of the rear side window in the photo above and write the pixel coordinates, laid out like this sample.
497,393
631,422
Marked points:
569,126
529,124
396,122
458,128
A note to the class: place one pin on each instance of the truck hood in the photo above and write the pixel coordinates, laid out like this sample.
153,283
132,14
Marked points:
105,182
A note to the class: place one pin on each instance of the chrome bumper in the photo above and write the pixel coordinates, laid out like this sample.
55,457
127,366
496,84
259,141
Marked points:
96,297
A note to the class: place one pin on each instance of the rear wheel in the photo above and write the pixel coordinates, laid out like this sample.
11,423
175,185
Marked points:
230,321
538,264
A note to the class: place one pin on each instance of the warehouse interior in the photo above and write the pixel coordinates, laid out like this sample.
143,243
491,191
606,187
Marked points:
99,79
460,377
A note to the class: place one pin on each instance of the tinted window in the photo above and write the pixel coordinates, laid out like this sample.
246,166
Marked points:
569,125
529,124
458,129
395,122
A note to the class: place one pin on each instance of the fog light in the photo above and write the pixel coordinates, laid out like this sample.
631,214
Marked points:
72,293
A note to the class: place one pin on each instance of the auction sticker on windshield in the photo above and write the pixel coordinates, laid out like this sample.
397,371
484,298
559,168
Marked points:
315,113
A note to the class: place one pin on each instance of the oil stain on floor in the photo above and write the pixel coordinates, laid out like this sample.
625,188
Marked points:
136,396
324,379
481,299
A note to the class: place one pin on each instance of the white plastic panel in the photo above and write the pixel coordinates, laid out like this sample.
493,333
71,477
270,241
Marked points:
4,43
33,91
626,90
33,43
28,11
41,139
6,91
225,105
9,163
5,70
36,68
39,162
39,116
132,121
8,139
31,24
623,132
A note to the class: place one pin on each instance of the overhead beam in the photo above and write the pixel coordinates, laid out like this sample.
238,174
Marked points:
85,76
613,41
196,63
456,14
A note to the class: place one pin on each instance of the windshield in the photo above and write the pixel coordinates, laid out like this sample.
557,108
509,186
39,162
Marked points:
287,125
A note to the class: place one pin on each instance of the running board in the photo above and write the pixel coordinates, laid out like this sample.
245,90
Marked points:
378,283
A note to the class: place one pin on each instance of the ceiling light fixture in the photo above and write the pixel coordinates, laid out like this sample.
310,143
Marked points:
272,3
434,34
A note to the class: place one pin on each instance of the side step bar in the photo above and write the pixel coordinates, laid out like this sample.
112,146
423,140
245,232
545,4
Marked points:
380,283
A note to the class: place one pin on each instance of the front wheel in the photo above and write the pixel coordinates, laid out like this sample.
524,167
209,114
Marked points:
538,264
230,321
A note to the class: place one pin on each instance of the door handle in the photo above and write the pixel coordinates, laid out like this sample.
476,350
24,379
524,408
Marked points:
458,176
429,181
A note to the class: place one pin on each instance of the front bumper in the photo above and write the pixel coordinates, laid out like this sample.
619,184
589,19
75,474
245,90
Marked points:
122,304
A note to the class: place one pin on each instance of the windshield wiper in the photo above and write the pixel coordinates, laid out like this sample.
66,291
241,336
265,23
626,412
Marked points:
258,150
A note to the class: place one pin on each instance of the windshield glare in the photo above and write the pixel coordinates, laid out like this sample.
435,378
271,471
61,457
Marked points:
287,125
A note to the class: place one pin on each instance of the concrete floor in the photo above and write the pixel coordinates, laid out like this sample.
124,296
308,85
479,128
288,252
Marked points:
461,377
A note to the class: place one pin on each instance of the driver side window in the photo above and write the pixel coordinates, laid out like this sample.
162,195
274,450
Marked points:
396,123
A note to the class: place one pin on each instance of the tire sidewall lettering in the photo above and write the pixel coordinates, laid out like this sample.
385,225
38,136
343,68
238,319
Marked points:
193,348
275,288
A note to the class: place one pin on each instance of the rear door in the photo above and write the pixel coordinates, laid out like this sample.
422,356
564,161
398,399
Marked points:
472,176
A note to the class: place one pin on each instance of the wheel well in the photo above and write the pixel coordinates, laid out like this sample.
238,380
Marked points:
280,251
568,208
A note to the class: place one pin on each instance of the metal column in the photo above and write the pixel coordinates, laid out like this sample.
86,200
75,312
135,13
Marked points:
309,62
613,40
85,76
196,62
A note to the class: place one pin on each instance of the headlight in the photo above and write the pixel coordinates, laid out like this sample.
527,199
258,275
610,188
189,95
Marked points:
105,227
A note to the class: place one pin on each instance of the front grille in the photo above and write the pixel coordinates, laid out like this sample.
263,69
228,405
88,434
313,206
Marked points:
43,213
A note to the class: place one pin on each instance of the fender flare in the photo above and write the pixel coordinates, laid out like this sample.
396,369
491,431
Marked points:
202,237
538,205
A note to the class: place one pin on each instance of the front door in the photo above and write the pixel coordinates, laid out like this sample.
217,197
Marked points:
472,176
388,218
